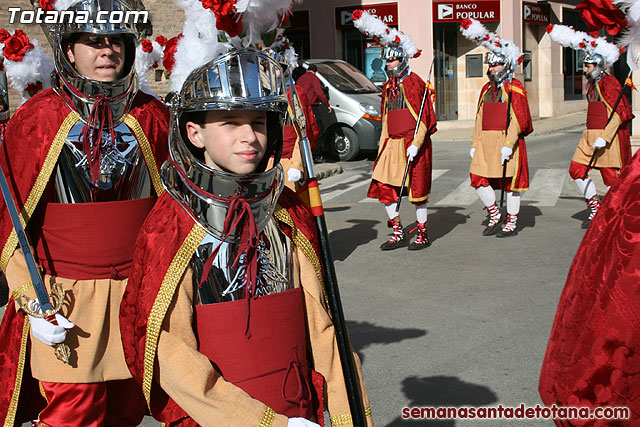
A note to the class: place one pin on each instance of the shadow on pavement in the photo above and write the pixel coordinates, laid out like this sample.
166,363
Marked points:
442,391
363,334
346,240
440,222
527,216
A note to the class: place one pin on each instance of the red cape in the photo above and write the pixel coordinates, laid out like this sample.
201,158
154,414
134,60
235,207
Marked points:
414,88
593,356
160,239
610,90
313,131
23,155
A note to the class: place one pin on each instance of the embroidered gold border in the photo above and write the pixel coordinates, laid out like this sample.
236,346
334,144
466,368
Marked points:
15,395
301,241
267,417
21,290
346,419
135,127
38,188
161,304
414,114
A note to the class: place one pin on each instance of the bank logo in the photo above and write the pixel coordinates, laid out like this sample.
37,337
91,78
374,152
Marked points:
445,11
527,11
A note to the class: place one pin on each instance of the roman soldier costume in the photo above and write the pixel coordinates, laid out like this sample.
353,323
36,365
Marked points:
607,138
83,161
404,98
498,150
224,320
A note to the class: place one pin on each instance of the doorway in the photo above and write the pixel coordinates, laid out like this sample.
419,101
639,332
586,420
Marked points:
445,64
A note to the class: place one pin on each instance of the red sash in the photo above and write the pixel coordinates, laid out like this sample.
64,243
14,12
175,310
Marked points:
271,365
597,115
494,116
85,241
400,122
289,138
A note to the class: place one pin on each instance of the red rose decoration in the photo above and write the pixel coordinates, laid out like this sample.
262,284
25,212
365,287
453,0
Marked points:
169,52
4,34
147,46
397,39
46,4
418,53
155,65
487,38
161,40
602,13
520,59
375,38
466,23
357,14
582,45
226,15
497,43
622,49
16,46
549,28
33,88
593,43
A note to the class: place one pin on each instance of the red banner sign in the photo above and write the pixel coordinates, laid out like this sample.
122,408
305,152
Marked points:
387,12
458,11
536,13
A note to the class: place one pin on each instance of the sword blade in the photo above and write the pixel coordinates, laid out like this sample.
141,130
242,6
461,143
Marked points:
34,273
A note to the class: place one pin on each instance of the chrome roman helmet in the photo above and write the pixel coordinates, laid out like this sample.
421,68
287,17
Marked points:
600,65
395,51
503,75
244,79
82,90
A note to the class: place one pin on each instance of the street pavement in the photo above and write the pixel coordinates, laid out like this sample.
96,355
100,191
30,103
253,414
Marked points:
466,321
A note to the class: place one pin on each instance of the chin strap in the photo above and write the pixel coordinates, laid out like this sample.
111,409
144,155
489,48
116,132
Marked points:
99,119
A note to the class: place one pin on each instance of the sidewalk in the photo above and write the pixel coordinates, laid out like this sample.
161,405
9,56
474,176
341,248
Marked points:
462,130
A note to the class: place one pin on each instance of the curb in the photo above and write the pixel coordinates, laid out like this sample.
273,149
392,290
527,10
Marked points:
325,170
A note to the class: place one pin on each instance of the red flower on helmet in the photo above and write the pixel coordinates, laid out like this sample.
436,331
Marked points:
357,14
602,13
4,34
170,52
397,39
161,40
622,49
549,28
582,45
16,46
418,53
486,38
227,18
46,4
466,23
520,59
593,43
147,46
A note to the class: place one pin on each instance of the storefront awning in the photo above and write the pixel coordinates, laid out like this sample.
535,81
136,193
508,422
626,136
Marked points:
458,11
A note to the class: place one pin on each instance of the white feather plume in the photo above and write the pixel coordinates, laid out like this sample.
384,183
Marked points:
199,43
144,64
261,16
373,26
35,66
631,37
475,31
569,37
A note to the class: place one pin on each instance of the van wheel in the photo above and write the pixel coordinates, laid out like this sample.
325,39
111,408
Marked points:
344,143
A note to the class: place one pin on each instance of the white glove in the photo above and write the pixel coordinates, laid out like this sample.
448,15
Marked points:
300,422
506,154
294,175
600,143
472,152
411,152
49,333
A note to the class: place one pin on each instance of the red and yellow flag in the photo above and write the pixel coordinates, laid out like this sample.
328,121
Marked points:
432,92
629,82
310,195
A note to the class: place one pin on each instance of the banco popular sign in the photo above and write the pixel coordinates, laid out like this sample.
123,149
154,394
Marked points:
458,11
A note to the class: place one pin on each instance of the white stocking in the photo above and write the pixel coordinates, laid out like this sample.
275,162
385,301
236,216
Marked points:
513,202
487,195
391,210
421,213
587,187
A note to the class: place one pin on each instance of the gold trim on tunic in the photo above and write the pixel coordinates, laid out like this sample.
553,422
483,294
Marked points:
267,417
163,299
149,159
38,188
346,419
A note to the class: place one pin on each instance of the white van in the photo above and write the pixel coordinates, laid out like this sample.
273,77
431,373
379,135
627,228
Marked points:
356,101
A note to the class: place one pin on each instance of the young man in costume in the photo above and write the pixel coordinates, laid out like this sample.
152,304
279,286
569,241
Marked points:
502,121
224,320
82,159
606,132
404,97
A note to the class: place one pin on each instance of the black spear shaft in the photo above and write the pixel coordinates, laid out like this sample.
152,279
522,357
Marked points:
615,107
331,280
506,132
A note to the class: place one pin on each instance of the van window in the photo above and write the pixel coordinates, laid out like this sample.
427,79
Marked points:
346,78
